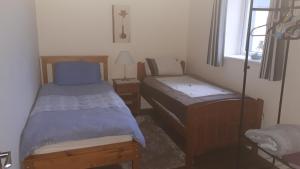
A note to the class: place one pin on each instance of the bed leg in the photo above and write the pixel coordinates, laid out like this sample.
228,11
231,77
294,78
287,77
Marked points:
136,163
189,161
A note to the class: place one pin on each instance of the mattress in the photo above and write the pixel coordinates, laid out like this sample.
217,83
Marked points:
187,90
192,87
180,90
86,143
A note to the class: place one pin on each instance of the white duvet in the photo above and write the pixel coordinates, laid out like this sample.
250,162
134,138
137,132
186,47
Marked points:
192,87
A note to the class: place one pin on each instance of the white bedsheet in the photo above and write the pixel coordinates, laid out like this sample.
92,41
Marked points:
71,145
192,87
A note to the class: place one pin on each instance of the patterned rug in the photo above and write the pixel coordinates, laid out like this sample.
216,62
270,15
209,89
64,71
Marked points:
160,152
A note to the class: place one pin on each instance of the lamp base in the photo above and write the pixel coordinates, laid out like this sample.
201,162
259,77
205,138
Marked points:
125,77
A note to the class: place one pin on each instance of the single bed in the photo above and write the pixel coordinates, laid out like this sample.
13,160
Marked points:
199,116
280,142
79,126
293,160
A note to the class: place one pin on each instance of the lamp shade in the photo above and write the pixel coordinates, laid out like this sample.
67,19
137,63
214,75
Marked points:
125,58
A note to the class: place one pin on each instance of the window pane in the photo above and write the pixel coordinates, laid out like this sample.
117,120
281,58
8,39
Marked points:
261,3
259,19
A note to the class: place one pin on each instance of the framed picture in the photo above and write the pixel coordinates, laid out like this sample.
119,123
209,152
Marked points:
121,23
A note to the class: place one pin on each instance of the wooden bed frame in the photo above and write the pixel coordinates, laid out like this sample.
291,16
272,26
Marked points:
86,157
208,126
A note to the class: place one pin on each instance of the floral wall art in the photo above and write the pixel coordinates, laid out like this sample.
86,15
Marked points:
121,24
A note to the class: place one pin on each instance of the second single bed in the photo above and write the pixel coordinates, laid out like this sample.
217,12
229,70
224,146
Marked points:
199,116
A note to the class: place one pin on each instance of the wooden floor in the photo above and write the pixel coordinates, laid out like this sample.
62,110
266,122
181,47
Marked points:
225,159
222,159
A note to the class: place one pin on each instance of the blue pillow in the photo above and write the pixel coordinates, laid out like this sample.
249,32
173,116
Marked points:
76,73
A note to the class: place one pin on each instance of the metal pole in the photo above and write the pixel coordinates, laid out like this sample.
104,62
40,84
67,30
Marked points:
246,67
283,84
284,75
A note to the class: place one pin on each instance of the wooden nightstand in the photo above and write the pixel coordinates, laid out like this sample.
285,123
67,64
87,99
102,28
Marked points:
129,91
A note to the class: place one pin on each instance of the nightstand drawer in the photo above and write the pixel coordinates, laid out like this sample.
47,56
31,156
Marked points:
129,91
128,96
125,88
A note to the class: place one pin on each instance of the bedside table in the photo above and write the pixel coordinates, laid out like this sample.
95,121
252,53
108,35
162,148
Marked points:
129,91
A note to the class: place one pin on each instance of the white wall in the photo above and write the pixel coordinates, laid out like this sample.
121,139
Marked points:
19,72
79,27
231,74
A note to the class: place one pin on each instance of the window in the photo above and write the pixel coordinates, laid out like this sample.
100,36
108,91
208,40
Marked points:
237,25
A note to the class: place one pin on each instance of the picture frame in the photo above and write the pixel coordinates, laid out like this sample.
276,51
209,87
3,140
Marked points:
121,24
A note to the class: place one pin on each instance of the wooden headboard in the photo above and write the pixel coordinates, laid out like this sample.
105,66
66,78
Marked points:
51,60
141,70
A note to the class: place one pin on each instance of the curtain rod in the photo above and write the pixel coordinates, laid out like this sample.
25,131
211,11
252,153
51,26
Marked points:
275,9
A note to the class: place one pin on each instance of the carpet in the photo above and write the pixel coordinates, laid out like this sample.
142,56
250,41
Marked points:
160,151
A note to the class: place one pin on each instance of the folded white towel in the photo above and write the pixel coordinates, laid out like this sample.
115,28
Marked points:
279,140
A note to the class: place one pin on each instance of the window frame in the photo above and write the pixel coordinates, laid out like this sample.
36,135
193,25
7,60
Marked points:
245,20
245,8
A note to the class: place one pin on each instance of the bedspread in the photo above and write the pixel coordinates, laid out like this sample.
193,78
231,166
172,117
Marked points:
70,113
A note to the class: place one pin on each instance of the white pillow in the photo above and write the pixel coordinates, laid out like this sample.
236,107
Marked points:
165,66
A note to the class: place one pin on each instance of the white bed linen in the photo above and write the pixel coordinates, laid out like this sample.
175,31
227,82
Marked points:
192,87
71,145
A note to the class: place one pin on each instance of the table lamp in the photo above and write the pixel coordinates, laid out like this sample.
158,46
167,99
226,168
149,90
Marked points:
124,58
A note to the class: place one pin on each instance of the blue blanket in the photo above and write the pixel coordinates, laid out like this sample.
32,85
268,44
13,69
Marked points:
51,122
